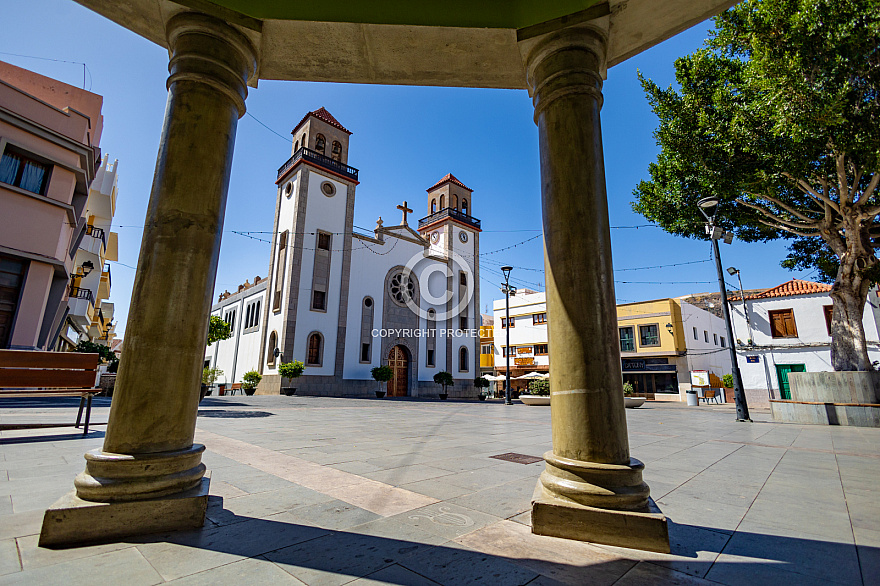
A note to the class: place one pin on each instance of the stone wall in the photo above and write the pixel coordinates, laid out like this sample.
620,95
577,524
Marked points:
831,398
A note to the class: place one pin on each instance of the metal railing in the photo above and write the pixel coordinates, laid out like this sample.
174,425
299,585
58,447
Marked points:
82,293
320,160
97,233
450,213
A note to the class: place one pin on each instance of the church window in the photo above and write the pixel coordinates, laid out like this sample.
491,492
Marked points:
328,189
323,241
442,202
366,329
402,288
464,208
320,141
319,300
295,146
281,260
462,322
270,350
315,352
252,314
462,278
230,319
303,141
336,153
433,206
455,201
463,360
288,189
431,340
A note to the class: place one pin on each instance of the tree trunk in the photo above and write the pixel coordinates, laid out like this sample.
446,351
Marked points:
849,350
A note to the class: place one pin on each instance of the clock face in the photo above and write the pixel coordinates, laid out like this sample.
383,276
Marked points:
462,236
435,237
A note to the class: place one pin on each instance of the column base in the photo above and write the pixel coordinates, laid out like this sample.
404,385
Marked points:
646,529
72,521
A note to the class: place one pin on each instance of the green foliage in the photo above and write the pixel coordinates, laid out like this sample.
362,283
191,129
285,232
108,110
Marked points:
727,380
210,375
382,373
251,379
481,382
291,369
539,387
444,379
781,90
628,390
218,330
104,352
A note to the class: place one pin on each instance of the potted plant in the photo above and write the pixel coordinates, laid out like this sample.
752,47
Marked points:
538,393
290,370
481,383
444,379
629,400
249,382
209,377
381,374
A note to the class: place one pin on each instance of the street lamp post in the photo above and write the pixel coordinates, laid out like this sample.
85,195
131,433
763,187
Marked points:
506,270
708,207
732,271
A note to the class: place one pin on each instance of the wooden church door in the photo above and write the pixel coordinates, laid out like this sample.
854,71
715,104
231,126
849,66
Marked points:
397,360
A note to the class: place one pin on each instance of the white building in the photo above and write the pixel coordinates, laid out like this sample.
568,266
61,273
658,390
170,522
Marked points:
661,342
790,331
344,302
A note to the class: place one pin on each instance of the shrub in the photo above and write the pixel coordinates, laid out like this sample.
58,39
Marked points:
218,330
628,390
210,375
727,379
540,388
291,369
481,382
251,379
382,374
444,379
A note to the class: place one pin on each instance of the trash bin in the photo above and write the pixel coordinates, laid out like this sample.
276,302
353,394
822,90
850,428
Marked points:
692,399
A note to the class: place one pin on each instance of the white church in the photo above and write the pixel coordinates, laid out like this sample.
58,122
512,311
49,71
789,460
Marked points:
343,302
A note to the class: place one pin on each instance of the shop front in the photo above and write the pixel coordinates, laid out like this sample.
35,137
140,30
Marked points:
650,375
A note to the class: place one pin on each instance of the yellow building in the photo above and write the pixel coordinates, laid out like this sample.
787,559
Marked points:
487,346
663,340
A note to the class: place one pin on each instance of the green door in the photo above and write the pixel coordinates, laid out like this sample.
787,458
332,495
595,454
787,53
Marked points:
782,371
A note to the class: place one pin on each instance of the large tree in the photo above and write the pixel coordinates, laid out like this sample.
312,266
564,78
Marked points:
779,116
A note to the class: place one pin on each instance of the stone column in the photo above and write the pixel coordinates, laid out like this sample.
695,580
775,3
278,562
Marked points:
591,489
149,475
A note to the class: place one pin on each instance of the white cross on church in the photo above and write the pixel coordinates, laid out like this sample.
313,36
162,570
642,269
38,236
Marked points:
405,211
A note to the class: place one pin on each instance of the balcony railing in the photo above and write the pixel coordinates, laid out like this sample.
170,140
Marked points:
109,277
319,160
450,213
97,233
81,293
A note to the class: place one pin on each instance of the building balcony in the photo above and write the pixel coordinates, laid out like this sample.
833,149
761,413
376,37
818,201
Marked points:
95,241
104,286
81,302
450,213
319,160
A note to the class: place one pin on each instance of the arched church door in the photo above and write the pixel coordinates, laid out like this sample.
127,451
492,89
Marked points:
399,363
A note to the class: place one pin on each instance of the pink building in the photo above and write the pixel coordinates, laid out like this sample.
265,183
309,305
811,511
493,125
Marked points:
49,137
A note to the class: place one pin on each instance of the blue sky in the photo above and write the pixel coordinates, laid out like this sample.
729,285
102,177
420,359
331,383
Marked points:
404,139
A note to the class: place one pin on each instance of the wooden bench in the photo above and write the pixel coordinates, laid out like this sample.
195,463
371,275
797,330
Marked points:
25,373
236,387
710,394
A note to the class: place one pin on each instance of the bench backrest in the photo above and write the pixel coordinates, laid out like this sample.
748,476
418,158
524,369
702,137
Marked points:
26,369
709,393
236,386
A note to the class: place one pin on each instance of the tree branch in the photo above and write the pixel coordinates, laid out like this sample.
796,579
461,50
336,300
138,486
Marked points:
786,207
808,189
787,229
845,194
869,190
811,225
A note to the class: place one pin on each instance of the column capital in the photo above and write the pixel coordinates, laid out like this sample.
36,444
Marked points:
207,50
567,61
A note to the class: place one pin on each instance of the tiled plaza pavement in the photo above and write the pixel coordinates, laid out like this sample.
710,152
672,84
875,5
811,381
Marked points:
343,491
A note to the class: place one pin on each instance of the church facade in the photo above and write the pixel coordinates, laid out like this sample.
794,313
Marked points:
344,302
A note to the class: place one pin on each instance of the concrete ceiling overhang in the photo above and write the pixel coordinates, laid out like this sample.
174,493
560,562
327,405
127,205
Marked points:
404,42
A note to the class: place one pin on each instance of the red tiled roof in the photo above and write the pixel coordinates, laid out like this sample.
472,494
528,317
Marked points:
449,177
791,288
322,114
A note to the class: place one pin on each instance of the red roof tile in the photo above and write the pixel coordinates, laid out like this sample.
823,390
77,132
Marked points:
449,177
322,114
791,288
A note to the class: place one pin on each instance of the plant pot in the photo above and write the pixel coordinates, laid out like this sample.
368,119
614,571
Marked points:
536,400
481,397
380,394
444,396
249,392
288,391
221,390
203,392
633,402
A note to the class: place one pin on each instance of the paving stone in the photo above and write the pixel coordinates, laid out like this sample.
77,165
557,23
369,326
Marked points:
251,571
395,574
9,558
126,566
